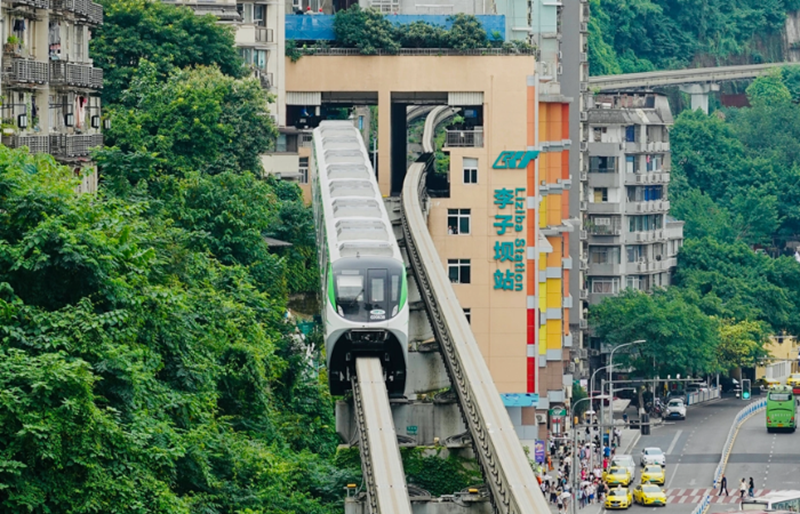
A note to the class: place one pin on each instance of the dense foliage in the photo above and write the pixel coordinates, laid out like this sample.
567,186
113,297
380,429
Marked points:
736,183
167,36
628,36
369,31
147,364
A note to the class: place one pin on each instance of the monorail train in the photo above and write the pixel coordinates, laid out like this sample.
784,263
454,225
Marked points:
365,291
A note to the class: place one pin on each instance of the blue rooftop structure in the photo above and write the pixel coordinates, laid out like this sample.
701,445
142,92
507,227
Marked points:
319,27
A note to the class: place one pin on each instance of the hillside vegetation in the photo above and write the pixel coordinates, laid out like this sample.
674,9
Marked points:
628,36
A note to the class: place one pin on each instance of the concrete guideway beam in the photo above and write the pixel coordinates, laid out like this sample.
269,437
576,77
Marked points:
699,94
675,77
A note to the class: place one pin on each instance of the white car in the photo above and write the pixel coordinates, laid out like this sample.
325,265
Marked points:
653,456
676,409
624,461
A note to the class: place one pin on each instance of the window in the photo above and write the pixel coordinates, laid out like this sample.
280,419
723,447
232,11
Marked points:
303,169
79,50
645,223
635,253
602,164
600,194
604,255
246,12
630,133
644,193
468,314
654,162
632,282
457,221
260,15
598,133
459,271
470,170
631,164
604,285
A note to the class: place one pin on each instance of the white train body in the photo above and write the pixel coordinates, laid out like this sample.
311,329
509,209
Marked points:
365,291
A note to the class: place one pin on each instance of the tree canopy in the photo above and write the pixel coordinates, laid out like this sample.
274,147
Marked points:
166,35
627,36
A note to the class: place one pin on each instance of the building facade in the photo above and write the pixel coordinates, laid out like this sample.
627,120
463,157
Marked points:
50,89
632,242
259,27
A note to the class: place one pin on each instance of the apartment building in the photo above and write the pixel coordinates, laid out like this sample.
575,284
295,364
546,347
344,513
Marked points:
259,36
631,241
50,89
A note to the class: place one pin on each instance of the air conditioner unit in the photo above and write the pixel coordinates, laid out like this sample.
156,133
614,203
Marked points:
541,419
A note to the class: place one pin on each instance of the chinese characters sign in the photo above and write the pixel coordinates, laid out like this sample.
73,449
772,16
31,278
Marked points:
510,252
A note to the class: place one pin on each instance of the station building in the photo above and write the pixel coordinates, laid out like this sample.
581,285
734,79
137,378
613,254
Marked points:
497,215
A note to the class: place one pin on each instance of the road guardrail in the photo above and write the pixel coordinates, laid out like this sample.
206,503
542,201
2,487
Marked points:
703,396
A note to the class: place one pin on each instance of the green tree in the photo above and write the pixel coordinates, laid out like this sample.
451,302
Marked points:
421,34
466,33
702,216
755,216
196,120
741,344
365,29
769,90
166,35
680,337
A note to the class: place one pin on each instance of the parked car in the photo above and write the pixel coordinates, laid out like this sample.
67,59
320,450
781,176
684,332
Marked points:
676,409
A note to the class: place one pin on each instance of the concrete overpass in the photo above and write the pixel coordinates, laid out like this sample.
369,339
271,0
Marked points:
698,82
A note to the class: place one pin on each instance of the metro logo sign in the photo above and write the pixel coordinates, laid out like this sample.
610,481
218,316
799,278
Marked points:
515,160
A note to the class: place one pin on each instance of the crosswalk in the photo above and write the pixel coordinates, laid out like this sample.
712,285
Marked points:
696,495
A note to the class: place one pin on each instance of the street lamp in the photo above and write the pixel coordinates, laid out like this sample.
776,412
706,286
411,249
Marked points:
610,376
575,474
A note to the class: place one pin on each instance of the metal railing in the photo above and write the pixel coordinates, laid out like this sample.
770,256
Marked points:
702,396
35,144
418,51
74,145
79,75
465,138
26,71
39,4
90,11
605,230
508,474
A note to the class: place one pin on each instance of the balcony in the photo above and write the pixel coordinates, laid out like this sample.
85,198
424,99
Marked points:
605,230
652,266
604,179
36,144
75,75
74,145
644,237
465,138
604,208
646,207
38,4
659,177
89,11
605,269
25,72
265,79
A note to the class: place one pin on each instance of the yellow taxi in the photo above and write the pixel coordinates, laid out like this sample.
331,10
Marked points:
793,380
649,494
619,498
653,475
770,383
617,476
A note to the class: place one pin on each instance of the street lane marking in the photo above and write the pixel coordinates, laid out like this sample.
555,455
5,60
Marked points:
674,442
673,474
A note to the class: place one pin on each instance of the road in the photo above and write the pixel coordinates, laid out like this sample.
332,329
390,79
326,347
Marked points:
693,449
773,460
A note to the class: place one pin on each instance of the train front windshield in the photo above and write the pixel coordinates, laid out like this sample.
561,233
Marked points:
368,289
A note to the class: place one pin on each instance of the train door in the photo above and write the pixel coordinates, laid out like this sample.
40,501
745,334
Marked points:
378,299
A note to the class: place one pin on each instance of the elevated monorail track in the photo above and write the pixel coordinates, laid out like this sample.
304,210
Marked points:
387,492
507,472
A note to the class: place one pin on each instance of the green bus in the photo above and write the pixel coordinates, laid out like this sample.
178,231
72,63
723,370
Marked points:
781,409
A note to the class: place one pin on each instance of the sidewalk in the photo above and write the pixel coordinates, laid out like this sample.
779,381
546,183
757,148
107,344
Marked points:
628,440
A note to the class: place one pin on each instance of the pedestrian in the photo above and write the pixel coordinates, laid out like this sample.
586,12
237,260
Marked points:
742,489
618,436
723,485
752,489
